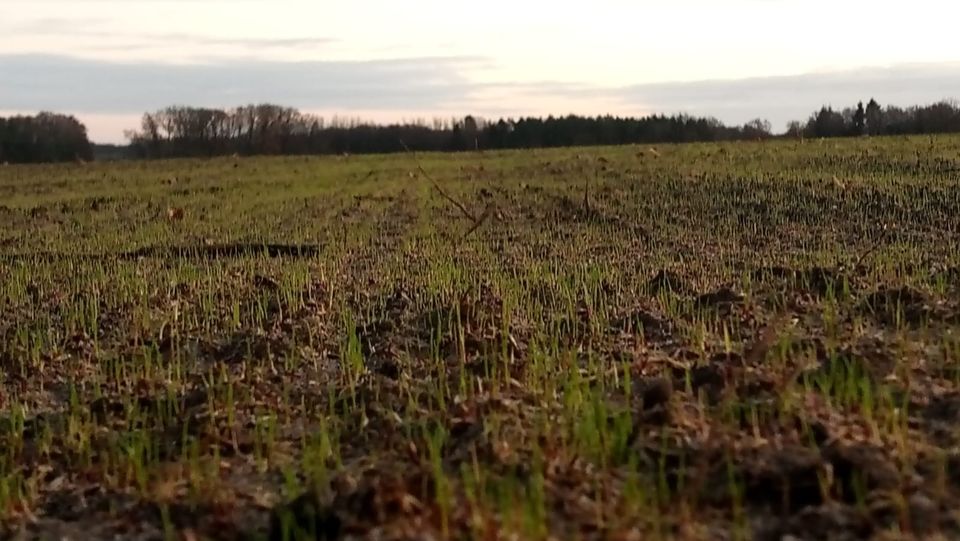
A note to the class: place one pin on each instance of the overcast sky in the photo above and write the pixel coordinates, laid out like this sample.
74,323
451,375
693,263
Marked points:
108,61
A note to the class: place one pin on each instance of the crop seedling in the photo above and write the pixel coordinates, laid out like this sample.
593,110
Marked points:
474,332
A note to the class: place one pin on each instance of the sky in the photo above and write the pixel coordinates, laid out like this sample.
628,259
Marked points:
108,61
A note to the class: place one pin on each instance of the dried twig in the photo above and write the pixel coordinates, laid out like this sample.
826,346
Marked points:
876,245
490,210
766,338
436,186
873,248
586,194
483,218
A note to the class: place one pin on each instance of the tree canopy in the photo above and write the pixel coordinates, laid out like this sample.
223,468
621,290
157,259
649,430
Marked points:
940,117
274,129
182,131
46,137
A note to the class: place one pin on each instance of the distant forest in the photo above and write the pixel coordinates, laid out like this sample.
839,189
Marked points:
267,129
46,137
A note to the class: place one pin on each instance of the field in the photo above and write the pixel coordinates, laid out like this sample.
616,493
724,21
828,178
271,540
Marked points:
709,341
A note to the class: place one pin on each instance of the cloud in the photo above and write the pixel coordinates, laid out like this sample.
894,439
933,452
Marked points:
156,40
54,25
242,42
33,82
442,85
781,99
87,27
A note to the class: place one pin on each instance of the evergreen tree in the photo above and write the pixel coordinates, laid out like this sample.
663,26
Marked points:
859,120
874,118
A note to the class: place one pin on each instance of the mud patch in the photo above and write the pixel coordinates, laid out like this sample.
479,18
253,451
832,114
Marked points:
654,328
355,507
667,281
819,281
724,296
902,305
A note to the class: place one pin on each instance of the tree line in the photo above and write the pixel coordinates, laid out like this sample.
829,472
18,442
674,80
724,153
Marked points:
273,129
872,119
46,137
180,131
